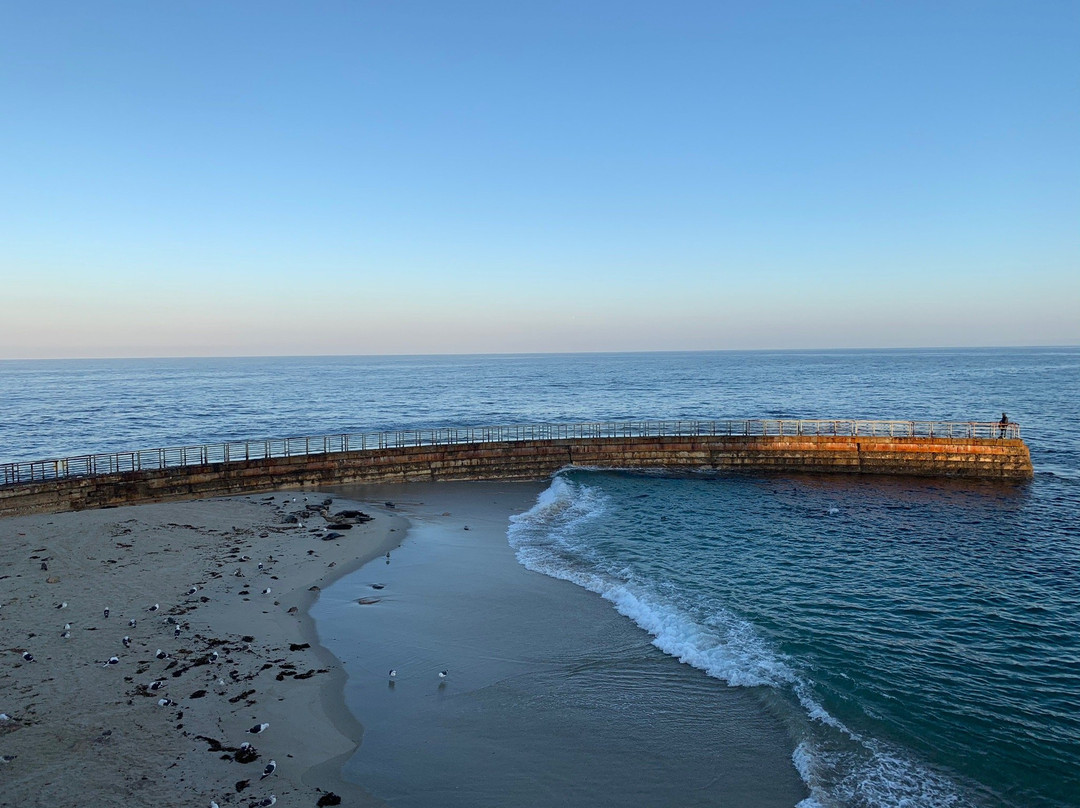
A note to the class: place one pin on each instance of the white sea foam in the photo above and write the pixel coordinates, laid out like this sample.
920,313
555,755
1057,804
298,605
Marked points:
838,765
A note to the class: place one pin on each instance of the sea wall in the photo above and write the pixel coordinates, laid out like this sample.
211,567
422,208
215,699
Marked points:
529,460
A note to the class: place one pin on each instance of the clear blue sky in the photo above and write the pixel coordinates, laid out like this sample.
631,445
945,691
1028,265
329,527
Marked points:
216,178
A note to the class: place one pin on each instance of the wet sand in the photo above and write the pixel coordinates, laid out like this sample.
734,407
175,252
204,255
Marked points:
551,697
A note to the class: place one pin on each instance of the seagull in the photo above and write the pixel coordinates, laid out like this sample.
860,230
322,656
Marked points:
65,635
28,656
161,654
126,641
214,804
393,673
131,623
442,674
267,802
106,611
214,656
269,769
166,703
260,565
155,685
67,626
176,631
8,758
153,608
112,661
266,591
255,730
239,573
193,590
5,717
62,605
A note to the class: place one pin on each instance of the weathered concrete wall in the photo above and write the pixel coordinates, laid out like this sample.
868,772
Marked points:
530,460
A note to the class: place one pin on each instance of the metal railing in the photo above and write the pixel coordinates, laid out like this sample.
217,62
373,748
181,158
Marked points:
238,451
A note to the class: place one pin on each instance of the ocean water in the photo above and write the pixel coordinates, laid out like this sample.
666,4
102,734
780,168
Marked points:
921,637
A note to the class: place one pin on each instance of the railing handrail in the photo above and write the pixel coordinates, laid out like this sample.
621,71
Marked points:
237,451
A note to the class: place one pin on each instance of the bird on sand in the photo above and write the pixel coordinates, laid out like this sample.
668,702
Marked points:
161,654
106,611
28,656
153,608
255,730
266,591
193,590
266,803
166,703
132,622
269,769
111,661
126,641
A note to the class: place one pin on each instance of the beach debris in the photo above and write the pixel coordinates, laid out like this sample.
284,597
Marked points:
44,567
269,769
255,730
332,536
367,601
378,586
239,573
4,717
153,608
106,611
389,504
241,785
328,799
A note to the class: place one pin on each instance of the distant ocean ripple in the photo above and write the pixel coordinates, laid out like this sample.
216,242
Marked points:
923,635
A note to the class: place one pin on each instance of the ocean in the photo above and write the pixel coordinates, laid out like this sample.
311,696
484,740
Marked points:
921,638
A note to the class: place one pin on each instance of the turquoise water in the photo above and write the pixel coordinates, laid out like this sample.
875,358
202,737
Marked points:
923,636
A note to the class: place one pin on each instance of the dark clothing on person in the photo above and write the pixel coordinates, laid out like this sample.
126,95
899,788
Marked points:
1003,425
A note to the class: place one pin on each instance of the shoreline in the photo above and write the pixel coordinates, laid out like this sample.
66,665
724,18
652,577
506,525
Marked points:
69,705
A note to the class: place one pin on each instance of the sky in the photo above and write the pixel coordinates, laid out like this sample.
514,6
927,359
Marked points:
280,178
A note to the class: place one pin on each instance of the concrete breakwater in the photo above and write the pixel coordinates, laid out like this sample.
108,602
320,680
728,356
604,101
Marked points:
981,457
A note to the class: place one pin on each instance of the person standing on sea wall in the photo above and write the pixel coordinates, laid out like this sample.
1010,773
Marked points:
1003,425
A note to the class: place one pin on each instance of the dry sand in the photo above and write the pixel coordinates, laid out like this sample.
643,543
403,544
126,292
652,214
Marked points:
85,732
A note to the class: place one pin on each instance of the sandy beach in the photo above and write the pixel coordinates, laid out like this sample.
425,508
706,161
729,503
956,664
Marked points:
551,697
81,731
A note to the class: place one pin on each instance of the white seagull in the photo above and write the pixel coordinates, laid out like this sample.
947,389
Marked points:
161,654
193,590
267,802
62,605
393,673
270,767
112,661
106,611
166,703
255,730
126,641
28,656
155,685
442,674
153,608
266,591
131,623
